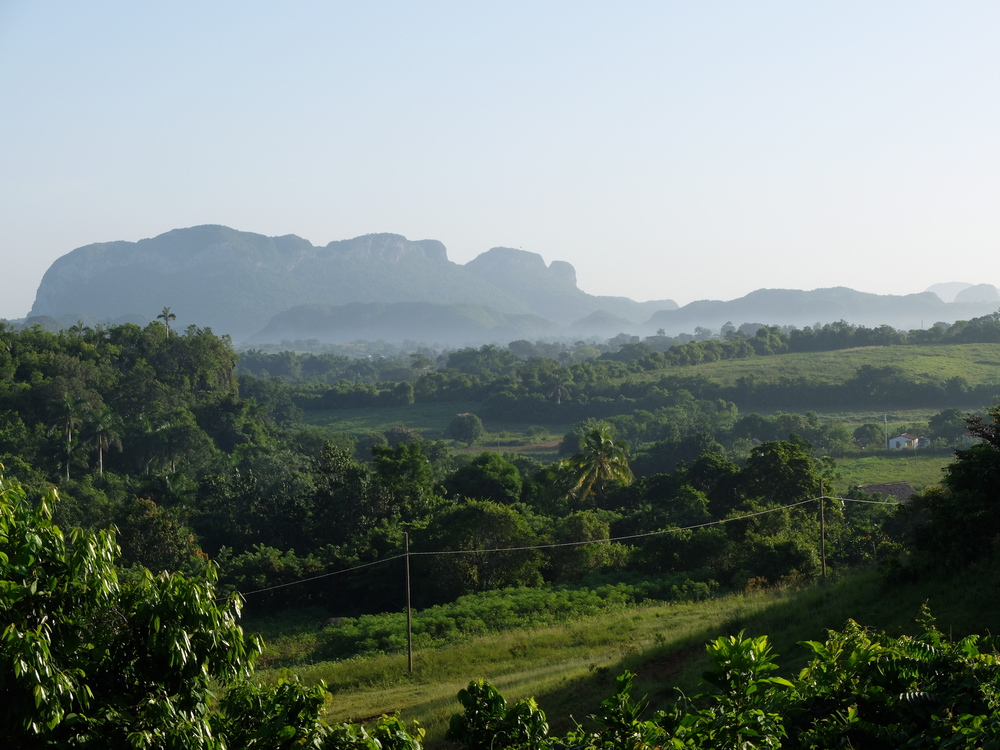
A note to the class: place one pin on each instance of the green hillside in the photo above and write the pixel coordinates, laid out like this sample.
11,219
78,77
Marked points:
571,668
977,364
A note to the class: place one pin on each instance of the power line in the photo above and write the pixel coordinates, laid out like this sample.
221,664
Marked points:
324,575
659,532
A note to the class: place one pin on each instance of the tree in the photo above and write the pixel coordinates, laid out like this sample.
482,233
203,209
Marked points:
86,657
166,316
466,428
405,478
869,434
70,414
491,549
987,430
780,473
949,424
487,477
107,429
572,562
960,522
601,461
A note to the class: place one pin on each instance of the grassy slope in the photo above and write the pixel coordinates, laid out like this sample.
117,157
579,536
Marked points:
977,363
570,669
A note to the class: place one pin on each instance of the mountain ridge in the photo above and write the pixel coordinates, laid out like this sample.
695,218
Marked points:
252,286
237,281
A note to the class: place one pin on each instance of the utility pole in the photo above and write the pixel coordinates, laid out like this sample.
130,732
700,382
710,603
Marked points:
822,529
409,610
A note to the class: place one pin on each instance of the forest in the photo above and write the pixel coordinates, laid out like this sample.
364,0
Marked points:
667,487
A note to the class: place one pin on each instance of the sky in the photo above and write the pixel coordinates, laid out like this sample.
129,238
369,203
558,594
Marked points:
668,150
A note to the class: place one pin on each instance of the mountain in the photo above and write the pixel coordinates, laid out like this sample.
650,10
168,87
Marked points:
236,282
806,308
443,325
553,288
979,293
270,289
948,290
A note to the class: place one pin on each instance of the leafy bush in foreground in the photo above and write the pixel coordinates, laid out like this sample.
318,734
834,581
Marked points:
89,660
860,689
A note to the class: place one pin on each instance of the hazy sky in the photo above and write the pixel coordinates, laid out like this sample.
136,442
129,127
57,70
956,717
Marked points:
681,150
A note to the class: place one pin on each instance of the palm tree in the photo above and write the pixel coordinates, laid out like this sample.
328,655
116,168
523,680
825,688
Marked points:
107,434
149,441
69,416
601,461
79,328
166,316
559,391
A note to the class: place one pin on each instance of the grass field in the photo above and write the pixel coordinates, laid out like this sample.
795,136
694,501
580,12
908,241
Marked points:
979,364
921,470
431,419
569,669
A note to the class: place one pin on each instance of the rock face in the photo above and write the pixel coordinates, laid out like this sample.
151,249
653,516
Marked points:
978,293
236,282
948,289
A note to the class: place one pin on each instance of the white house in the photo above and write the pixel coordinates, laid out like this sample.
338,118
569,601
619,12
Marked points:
908,441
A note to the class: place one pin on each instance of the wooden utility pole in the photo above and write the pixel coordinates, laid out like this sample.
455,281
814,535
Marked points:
822,529
409,610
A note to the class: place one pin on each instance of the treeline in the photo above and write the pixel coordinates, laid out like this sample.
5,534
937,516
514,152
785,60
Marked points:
538,383
651,353
372,362
128,400
543,392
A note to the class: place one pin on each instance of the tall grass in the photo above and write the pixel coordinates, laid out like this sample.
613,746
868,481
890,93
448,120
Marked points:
570,668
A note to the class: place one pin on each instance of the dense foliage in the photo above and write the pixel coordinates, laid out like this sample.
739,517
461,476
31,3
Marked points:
861,688
959,522
151,430
92,658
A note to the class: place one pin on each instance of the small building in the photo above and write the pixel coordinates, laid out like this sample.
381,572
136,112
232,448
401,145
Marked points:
906,441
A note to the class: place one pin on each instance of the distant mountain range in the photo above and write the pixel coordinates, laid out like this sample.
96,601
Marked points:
800,309
237,282
262,289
